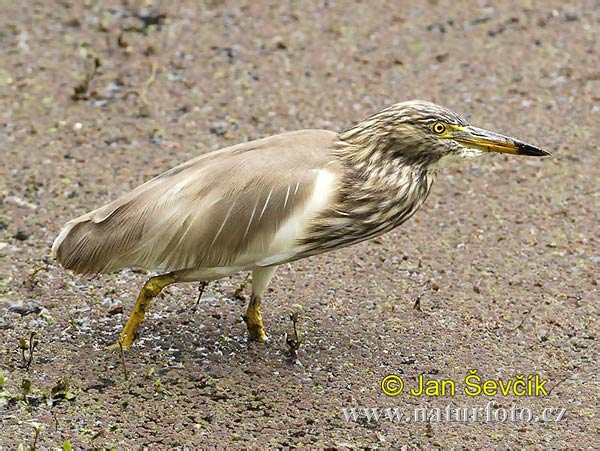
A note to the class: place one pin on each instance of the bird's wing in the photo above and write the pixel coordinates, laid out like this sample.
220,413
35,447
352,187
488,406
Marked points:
241,206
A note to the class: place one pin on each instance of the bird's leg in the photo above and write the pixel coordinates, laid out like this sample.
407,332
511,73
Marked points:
254,322
151,289
253,318
201,289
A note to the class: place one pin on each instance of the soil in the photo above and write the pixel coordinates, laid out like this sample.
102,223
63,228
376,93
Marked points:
96,97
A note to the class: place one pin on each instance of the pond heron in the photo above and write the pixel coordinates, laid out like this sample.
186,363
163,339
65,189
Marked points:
257,205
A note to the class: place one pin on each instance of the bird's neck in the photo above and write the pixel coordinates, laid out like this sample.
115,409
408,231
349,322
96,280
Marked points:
372,177
375,195
373,165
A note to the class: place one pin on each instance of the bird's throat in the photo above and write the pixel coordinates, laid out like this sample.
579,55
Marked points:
374,197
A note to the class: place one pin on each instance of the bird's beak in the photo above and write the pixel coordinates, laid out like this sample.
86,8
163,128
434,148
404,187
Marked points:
486,141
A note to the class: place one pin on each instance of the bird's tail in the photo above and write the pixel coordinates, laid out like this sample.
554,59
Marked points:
94,243
79,248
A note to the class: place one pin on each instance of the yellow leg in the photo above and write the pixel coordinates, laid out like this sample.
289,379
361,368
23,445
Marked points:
150,290
254,320
260,280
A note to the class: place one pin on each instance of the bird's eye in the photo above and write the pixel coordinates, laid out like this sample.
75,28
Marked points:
438,128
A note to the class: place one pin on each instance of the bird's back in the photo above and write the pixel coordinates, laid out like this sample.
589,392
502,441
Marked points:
242,205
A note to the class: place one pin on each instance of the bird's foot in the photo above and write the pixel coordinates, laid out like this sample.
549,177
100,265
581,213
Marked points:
254,323
130,331
150,290
256,332
128,335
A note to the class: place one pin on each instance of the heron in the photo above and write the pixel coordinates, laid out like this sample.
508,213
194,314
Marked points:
260,204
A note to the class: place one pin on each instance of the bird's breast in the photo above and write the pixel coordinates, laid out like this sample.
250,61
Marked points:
285,243
365,211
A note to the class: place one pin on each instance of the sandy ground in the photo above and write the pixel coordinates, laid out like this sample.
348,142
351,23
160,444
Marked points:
504,255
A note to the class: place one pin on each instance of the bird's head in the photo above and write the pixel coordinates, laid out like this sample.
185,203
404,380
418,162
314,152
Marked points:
427,134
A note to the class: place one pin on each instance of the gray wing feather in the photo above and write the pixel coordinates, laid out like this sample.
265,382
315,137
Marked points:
211,211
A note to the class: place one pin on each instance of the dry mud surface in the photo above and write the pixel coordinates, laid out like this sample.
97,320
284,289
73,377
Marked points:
504,255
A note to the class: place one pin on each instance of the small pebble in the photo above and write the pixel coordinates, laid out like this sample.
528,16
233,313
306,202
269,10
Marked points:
21,236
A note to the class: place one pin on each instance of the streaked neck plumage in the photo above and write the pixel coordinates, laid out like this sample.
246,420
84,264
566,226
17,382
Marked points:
373,167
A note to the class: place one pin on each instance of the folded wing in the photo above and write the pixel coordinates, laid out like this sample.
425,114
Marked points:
242,206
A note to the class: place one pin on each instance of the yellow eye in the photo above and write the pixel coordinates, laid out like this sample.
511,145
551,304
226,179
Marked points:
438,128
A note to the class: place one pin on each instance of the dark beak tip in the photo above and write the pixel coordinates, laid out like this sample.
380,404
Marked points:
531,151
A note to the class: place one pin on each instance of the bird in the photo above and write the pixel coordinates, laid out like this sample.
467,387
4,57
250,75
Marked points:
260,204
